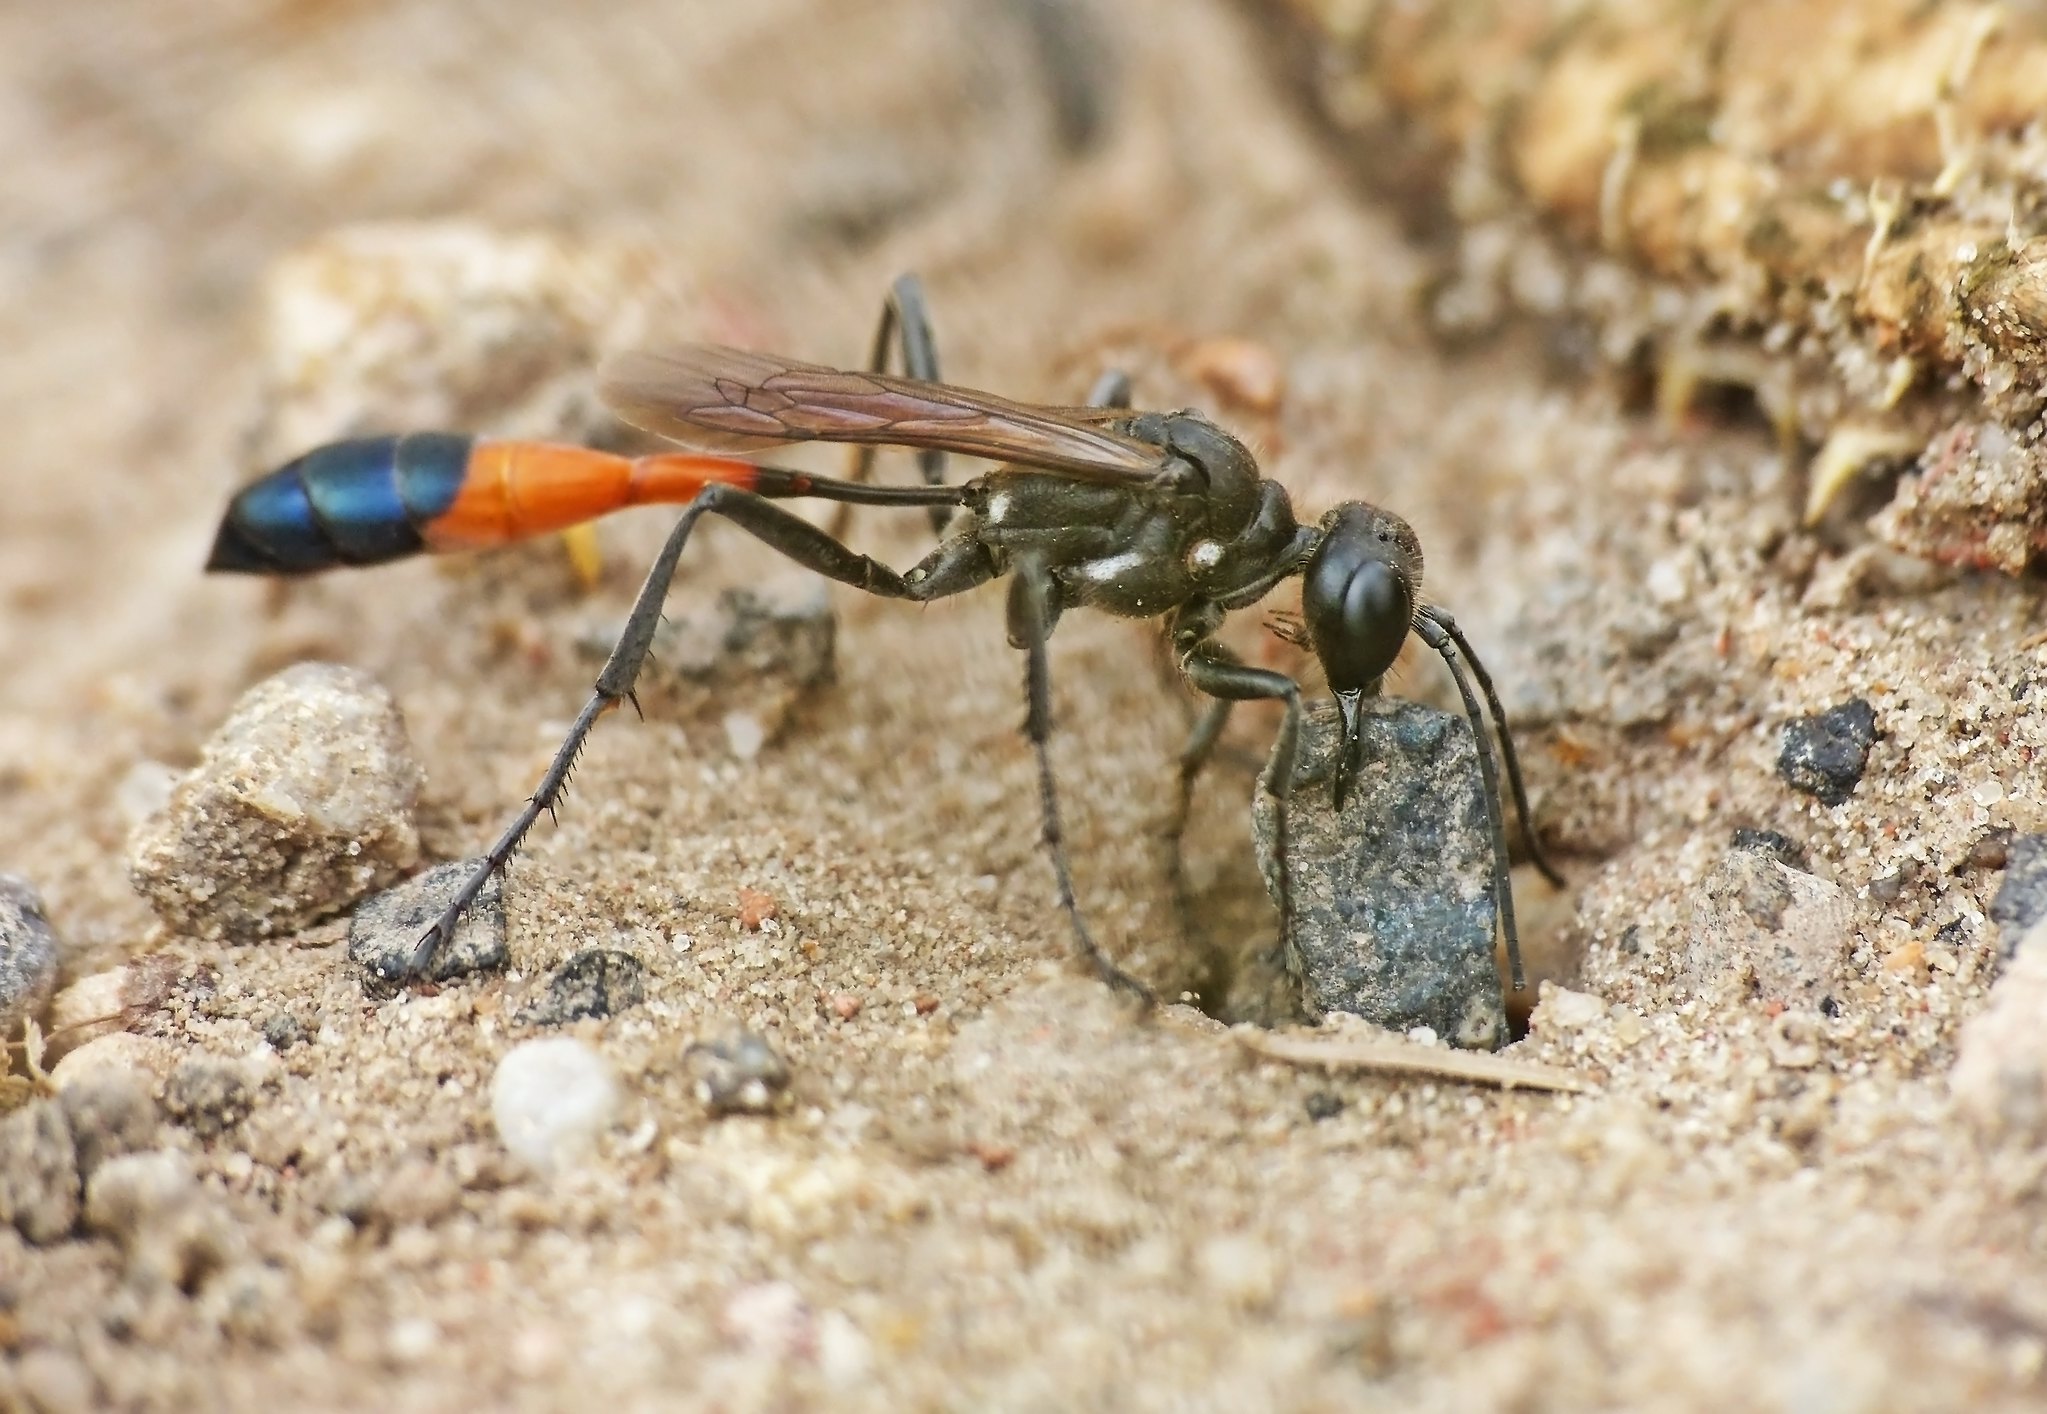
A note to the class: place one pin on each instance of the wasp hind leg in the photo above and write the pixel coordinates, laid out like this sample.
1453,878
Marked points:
905,325
954,567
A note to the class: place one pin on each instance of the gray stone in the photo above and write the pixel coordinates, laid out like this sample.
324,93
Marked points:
208,1096
173,1232
28,954
738,1073
1394,917
1759,924
110,1115
779,628
596,982
39,1183
385,929
2021,899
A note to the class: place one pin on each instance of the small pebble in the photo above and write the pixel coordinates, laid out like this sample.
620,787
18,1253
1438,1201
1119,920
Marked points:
174,1233
386,929
208,1095
2021,900
39,1181
1779,847
1824,755
1793,1040
28,954
1323,1104
769,1318
302,802
412,1340
845,1355
1754,918
416,1193
1999,1080
1239,1268
1562,1009
738,1073
755,908
55,1382
597,982
110,1114
743,662
91,1007
551,1098
1992,849
148,1058
745,735
251,1302
283,1031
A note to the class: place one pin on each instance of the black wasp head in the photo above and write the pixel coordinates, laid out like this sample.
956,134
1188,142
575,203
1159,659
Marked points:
1358,598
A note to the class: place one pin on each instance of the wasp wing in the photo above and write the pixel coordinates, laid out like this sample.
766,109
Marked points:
728,400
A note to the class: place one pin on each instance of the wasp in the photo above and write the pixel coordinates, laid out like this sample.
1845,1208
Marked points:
1146,515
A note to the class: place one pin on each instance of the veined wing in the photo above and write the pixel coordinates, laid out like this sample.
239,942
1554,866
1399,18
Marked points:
728,400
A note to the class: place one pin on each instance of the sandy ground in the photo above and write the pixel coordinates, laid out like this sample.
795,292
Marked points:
992,1189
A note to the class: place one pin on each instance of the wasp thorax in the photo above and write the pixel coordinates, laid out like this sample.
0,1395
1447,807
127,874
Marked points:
1358,594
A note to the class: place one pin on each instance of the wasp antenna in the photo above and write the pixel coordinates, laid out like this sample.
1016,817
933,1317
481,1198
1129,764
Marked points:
1513,762
1446,641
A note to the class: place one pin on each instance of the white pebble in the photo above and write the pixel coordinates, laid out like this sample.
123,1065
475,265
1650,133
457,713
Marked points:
1565,1010
1240,1268
769,1317
551,1098
844,1354
412,1340
744,735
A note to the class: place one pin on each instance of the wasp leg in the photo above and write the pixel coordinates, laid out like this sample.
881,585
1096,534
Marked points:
1223,678
1033,610
1111,390
953,568
905,324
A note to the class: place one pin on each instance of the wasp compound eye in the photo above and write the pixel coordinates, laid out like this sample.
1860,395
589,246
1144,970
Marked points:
1358,600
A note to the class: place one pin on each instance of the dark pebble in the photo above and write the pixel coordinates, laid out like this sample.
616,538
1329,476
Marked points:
388,927
1825,755
1323,1104
1889,888
39,1183
283,1031
738,1073
1781,848
109,1116
28,954
208,1096
2022,899
1992,849
1394,917
597,982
